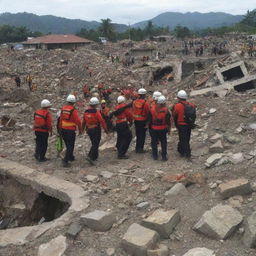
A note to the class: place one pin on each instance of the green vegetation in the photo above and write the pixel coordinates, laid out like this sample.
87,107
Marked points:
10,34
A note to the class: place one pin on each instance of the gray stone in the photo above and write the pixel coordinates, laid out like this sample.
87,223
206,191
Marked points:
216,137
217,147
212,110
177,189
252,126
106,174
235,187
110,251
249,238
162,221
232,139
92,178
143,205
236,158
219,222
56,247
199,252
213,159
98,220
162,251
138,239
74,230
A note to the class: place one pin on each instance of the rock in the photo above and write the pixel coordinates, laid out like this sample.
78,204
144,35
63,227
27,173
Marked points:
162,221
216,137
213,159
110,251
236,158
235,187
199,149
106,174
212,110
123,171
253,186
92,178
138,239
177,189
199,252
252,126
74,230
249,238
56,247
162,251
232,139
235,201
217,147
98,220
219,222
213,185
143,205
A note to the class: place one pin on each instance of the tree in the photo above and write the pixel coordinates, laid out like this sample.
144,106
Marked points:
181,32
107,29
250,18
149,30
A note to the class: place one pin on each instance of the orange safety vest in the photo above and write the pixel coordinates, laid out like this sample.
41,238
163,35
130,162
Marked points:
138,109
90,117
121,118
66,113
159,118
40,117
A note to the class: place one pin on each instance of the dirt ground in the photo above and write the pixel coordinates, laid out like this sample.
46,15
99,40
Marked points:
140,178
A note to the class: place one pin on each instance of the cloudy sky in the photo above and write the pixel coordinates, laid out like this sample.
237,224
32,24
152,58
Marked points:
122,11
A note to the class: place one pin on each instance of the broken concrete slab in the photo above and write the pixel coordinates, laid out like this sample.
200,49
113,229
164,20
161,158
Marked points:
213,159
216,138
235,187
73,230
162,221
177,189
98,220
56,247
161,251
219,222
138,239
249,238
236,158
200,252
217,147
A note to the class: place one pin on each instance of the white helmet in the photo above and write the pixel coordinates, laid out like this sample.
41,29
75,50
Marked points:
161,100
182,95
71,98
142,91
120,99
45,103
156,95
94,101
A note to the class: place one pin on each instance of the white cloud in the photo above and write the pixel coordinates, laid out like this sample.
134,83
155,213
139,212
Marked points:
122,11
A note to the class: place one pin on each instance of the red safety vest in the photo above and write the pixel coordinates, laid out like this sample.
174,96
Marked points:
159,118
138,110
40,117
66,113
90,118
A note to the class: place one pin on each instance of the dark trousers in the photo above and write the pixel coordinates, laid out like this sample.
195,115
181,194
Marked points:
124,138
69,138
140,134
159,136
41,144
184,138
95,137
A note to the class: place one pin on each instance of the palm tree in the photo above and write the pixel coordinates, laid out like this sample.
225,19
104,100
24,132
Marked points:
107,29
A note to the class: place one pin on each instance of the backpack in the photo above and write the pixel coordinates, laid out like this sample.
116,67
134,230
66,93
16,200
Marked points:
189,114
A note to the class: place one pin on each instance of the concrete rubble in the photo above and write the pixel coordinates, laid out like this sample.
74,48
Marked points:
200,252
219,222
249,238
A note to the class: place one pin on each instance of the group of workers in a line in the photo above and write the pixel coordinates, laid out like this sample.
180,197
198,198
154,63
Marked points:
152,114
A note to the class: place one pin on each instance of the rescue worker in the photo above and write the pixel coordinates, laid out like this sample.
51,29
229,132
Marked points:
69,120
17,81
160,124
86,91
42,128
140,109
104,109
29,81
154,98
184,129
93,121
123,121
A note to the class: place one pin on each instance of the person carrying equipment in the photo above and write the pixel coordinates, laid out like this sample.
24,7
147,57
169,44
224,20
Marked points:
160,124
124,134
69,120
140,109
93,121
184,115
42,128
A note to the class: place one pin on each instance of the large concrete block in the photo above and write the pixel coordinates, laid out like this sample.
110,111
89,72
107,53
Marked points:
217,147
235,187
177,189
250,232
199,252
219,222
98,220
138,239
162,221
